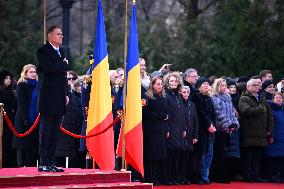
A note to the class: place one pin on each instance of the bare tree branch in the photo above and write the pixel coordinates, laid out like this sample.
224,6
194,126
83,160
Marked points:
193,9
49,11
184,3
171,8
49,17
211,3
146,7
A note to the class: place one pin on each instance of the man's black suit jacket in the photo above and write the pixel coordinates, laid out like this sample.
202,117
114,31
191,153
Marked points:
52,81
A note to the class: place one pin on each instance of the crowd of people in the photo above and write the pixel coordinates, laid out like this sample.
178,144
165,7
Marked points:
195,129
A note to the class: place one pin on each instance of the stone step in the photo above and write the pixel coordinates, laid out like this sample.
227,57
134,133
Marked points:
127,185
29,176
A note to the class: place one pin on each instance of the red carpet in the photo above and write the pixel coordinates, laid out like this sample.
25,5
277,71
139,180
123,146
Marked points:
29,177
233,185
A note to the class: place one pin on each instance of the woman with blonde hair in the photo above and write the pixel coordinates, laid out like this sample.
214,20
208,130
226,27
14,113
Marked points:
155,125
226,146
173,84
26,92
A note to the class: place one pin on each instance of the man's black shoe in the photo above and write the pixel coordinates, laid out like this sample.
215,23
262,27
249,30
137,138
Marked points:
207,182
248,180
167,182
174,182
56,169
224,181
186,181
46,169
197,182
258,179
156,183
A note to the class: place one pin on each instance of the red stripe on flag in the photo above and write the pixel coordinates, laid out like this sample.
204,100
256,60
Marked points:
133,148
102,145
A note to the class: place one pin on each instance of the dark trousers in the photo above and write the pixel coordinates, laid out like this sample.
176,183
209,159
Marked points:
184,166
195,166
135,175
9,157
27,157
275,167
48,137
172,165
153,170
251,159
224,169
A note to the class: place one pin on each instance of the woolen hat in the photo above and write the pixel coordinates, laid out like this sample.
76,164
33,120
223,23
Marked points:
3,74
231,82
266,83
200,81
243,79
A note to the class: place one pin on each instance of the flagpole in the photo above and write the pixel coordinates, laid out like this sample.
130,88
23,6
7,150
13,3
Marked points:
123,164
44,21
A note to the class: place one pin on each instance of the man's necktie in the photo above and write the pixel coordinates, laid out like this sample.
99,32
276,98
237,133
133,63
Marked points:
57,50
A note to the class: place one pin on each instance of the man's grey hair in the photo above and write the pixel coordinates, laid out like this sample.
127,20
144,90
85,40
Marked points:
251,81
188,71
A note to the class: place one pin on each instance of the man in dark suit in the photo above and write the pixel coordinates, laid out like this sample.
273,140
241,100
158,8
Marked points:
52,96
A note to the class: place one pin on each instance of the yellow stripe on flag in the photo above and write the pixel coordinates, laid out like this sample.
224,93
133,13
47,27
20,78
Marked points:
100,105
133,100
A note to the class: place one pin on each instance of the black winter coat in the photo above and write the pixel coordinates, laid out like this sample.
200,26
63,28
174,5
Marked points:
176,120
8,98
68,146
206,116
191,124
52,82
256,120
185,83
24,94
154,128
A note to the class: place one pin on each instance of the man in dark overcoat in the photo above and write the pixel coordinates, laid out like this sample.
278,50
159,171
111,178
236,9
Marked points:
257,121
52,96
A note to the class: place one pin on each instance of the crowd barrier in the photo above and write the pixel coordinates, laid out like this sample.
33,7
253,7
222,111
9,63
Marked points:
4,115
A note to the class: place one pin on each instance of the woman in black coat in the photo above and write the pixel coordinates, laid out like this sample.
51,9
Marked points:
68,146
154,130
203,150
26,147
173,84
8,98
190,136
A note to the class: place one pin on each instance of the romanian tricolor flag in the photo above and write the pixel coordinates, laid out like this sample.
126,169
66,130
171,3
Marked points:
100,104
133,117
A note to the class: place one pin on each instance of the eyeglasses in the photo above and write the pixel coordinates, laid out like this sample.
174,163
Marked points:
71,78
255,85
185,92
31,71
194,76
